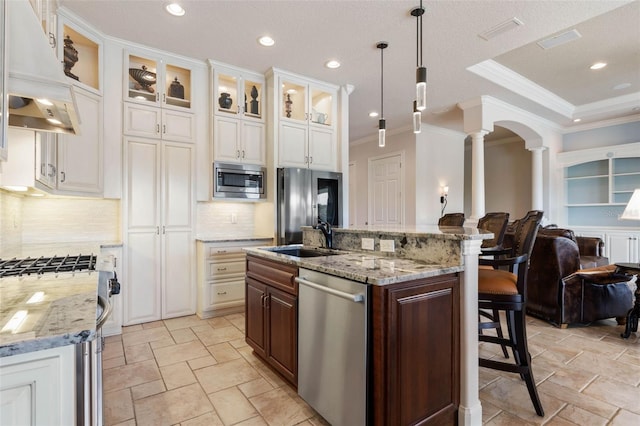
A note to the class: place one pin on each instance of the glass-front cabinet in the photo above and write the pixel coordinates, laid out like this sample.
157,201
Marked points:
598,184
238,105
152,81
306,103
81,54
238,92
306,118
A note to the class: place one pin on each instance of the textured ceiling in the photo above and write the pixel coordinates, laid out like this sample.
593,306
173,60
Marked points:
310,32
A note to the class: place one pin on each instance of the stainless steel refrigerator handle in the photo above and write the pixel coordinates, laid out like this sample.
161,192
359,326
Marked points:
357,298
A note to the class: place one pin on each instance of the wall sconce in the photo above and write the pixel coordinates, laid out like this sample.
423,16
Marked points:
444,191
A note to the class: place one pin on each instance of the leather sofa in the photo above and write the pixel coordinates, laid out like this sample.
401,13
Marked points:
570,281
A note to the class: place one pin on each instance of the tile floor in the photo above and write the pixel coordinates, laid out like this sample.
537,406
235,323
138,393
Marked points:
187,371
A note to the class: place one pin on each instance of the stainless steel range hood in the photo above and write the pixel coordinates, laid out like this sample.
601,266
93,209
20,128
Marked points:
40,98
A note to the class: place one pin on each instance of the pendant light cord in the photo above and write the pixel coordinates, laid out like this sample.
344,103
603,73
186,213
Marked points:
382,82
421,31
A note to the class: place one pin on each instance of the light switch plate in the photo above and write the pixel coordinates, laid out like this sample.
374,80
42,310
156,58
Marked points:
387,245
367,244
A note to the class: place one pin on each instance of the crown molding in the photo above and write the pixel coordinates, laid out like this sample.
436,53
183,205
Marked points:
509,79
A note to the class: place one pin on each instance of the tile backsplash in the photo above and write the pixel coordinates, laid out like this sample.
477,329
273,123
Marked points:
216,219
28,220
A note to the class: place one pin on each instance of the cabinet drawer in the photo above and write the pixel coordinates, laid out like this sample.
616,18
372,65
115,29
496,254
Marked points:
276,274
218,269
227,292
213,252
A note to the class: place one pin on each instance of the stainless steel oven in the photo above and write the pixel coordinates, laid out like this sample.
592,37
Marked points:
239,181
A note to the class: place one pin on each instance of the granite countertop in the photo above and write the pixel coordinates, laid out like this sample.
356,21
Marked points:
362,267
65,315
214,239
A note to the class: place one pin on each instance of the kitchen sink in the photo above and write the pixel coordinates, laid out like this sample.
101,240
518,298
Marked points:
298,251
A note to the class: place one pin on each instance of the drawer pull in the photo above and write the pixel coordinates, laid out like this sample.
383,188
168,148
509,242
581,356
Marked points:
222,269
221,293
222,251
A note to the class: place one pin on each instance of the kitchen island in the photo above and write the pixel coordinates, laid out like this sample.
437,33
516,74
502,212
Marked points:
423,298
49,332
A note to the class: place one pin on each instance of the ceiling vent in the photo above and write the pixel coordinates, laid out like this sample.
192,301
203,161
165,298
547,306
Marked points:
501,28
559,39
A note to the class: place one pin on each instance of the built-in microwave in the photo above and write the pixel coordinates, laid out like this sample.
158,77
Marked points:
239,181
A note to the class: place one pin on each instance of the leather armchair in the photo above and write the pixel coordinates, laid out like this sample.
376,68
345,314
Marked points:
568,287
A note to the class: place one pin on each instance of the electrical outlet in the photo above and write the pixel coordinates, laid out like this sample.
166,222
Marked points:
367,244
387,245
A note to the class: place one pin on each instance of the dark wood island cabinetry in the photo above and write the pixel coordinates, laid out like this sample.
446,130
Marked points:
415,352
272,314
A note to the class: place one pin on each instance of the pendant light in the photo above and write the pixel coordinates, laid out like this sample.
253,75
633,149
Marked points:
417,119
421,72
382,125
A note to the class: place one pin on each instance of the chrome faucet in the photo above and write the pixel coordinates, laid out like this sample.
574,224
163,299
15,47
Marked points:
325,227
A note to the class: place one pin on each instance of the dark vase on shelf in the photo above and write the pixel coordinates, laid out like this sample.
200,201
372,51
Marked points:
176,90
254,100
225,100
70,58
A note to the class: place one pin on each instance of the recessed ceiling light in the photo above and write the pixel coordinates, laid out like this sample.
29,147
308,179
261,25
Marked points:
577,120
266,41
598,65
373,114
175,9
332,64
621,86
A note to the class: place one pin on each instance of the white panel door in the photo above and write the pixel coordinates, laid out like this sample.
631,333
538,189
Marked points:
178,278
321,149
385,190
80,156
253,145
143,261
292,145
140,120
36,388
226,142
622,247
178,126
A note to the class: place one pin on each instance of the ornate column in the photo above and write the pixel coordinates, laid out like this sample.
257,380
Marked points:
536,178
470,409
477,175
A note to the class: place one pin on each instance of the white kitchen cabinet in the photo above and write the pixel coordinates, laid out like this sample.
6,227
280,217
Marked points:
80,156
238,120
306,114
159,219
46,157
37,388
221,271
623,246
153,122
84,48
46,10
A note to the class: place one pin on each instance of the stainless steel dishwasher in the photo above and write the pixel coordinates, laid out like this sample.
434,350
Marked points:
333,347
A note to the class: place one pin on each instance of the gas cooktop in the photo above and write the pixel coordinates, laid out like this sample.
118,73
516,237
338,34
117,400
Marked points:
42,265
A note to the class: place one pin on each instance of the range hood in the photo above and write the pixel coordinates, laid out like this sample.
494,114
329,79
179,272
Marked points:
40,98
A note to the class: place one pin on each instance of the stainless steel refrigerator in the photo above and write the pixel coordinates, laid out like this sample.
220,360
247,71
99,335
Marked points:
304,196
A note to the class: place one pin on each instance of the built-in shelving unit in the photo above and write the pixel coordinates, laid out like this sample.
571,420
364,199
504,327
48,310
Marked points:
598,184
